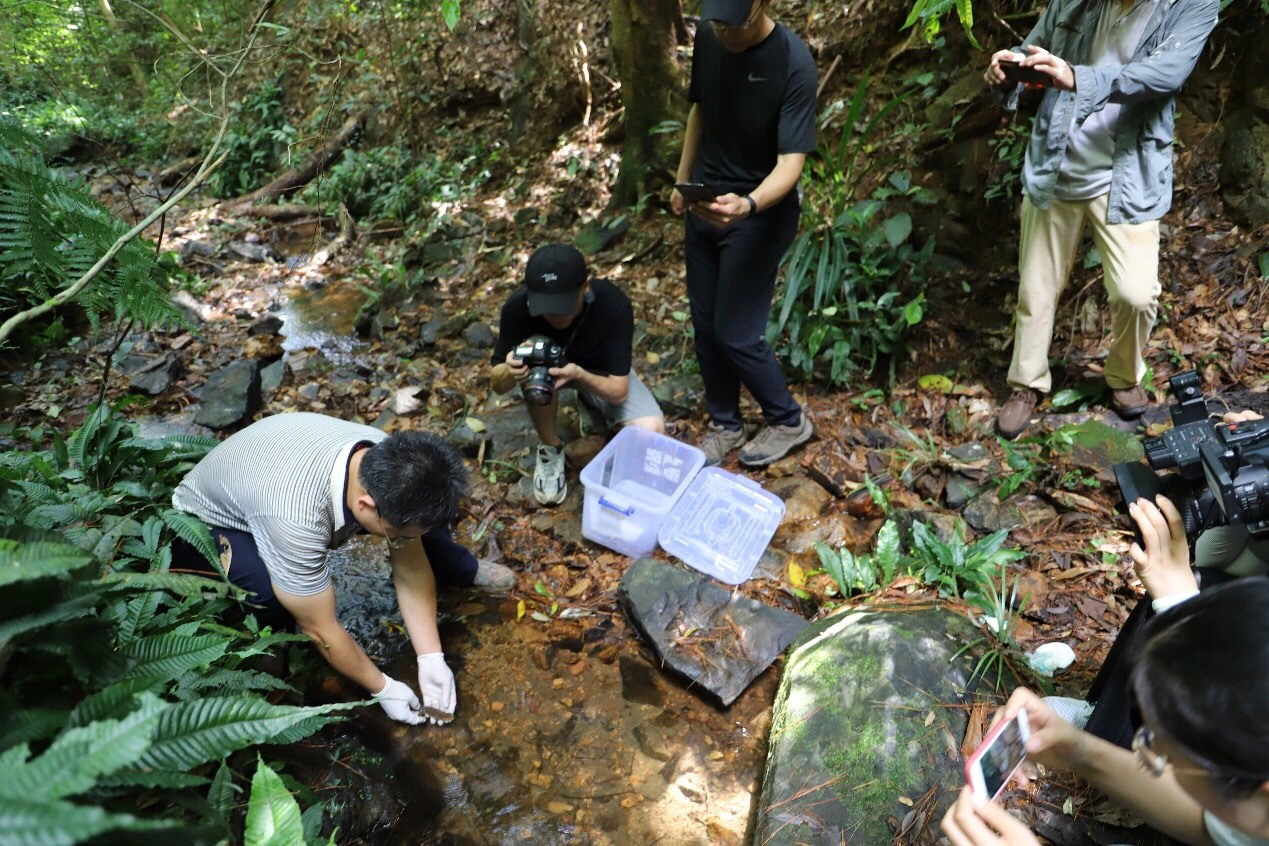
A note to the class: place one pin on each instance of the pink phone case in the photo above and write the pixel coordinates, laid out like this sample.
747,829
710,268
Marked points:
1024,731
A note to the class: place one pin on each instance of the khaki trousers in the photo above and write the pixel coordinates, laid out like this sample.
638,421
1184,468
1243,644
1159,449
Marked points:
1130,261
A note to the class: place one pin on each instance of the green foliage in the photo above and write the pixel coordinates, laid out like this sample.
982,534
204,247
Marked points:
852,279
954,564
52,231
273,815
122,692
1009,146
930,14
257,141
391,183
864,573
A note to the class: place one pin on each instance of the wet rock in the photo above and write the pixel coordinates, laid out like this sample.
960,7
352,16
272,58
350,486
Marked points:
680,395
971,453
600,236
176,424
960,490
652,742
11,396
191,307
1036,512
771,565
479,336
231,395
151,374
578,453
738,637
198,248
1098,447
506,431
803,498
309,391
270,324
271,379
520,495
828,466
250,252
988,514
860,720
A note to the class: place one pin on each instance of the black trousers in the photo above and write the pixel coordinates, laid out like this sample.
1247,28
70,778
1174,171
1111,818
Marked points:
731,275
452,564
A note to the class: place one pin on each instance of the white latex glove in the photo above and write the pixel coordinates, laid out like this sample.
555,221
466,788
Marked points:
436,683
399,701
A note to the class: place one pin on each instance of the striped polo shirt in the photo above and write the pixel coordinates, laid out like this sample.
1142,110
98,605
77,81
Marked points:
282,480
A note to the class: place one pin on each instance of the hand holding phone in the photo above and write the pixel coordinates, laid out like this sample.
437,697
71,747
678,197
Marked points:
1015,72
1001,753
696,192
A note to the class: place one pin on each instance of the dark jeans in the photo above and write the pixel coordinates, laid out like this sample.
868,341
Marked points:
452,563
731,275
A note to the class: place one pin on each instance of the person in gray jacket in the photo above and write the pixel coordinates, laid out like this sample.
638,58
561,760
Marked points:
1100,152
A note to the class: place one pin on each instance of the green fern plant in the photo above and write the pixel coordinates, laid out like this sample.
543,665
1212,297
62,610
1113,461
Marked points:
864,573
52,231
122,692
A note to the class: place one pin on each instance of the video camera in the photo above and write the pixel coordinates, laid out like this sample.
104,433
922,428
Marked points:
1222,469
539,353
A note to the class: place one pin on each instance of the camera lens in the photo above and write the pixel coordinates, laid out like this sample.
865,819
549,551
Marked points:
538,386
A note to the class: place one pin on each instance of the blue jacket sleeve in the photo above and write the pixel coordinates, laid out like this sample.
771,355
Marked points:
1158,75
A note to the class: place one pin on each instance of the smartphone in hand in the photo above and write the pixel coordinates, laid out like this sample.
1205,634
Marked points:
994,761
1015,73
696,192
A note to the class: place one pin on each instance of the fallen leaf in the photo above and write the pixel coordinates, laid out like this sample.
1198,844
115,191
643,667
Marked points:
935,382
540,617
906,801
520,609
475,425
929,718
653,358
797,576
579,587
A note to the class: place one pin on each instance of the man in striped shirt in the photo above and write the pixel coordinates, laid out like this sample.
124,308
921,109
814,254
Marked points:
282,492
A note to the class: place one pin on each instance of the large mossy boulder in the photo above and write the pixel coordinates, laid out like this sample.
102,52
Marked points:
867,729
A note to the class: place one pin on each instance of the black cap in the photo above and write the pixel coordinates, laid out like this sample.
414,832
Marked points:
733,12
554,275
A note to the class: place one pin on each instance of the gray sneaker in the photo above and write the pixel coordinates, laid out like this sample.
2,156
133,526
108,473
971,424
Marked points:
775,442
719,441
494,577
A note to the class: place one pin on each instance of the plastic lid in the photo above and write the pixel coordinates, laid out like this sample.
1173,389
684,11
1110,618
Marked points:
721,525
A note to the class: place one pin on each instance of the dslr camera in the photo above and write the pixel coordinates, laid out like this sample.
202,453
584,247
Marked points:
1221,469
539,353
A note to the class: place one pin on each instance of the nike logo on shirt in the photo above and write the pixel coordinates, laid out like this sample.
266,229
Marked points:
753,78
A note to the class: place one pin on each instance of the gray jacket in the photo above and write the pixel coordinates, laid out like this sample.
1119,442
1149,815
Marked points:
1141,182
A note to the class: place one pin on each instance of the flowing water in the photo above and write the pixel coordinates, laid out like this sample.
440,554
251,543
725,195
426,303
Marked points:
565,733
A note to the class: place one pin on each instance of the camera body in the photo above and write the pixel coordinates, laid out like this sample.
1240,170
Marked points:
1222,469
540,353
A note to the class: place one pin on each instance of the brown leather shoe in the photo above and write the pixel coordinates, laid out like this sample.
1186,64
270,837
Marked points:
1015,415
1129,402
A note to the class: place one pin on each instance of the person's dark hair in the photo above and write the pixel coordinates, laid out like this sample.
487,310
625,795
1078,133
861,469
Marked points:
1202,677
415,479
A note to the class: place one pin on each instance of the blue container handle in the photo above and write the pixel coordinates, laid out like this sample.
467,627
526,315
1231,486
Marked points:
625,512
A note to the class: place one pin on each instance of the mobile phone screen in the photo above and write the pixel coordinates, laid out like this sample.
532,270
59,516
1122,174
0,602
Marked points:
998,757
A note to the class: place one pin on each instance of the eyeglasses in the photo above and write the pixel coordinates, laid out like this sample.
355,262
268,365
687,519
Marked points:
721,27
1156,763
395,542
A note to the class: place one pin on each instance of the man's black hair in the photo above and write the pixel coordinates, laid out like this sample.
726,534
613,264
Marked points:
415,479
1202,678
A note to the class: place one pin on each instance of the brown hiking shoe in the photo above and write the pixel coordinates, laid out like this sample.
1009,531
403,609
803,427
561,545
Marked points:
1129,402
1015,415
775,442
719,441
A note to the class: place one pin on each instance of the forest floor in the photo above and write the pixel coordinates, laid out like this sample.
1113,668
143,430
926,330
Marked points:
925,436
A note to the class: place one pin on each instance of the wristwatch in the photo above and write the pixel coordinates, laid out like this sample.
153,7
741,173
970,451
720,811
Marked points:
753,205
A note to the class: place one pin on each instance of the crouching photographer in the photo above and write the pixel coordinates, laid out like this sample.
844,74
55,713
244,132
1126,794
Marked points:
565,329
1198,769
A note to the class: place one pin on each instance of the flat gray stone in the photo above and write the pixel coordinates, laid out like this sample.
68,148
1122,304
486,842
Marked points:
151,374
712,636
231,395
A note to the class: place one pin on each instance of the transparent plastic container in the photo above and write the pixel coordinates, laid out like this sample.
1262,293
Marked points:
721,525
632,485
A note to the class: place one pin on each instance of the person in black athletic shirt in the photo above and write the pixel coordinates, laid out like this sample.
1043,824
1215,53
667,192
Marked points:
751,125
594,322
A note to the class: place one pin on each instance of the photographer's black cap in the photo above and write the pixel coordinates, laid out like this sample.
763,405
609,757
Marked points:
554,275
733,12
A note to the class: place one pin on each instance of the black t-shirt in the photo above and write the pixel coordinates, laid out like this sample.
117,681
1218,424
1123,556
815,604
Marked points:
599,340
754,106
